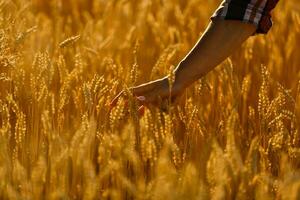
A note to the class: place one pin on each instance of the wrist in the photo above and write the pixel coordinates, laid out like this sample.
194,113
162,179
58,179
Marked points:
183,76
177,87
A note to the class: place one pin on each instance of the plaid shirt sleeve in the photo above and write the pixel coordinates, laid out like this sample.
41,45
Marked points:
257,12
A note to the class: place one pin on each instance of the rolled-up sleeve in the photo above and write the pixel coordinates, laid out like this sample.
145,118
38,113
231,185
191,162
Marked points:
257,12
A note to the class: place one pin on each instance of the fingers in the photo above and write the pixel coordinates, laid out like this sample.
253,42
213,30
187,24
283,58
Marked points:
146,100
136,91
148,90
141,111
152,93
113,103
150,102
140,99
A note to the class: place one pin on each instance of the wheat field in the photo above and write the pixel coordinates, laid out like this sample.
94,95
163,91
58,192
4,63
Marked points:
234,134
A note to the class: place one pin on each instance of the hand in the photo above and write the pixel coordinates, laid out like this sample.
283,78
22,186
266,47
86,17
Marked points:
154,92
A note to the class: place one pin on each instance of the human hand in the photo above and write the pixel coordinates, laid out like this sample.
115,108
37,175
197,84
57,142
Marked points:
153,93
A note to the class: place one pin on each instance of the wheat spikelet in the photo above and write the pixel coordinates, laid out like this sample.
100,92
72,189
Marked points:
96,83
263,99
246,86
69,41
117,114
5,121
87,96
286,93
62,69
275,106
171,78
168,127
149,139
276,142
20,129
134,69
164,60
79,64
20,38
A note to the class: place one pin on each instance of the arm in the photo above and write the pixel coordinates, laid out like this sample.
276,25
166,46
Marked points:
218,41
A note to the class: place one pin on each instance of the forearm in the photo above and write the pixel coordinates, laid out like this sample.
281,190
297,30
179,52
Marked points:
219,40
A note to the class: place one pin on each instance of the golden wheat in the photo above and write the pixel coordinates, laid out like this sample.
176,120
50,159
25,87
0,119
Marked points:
234,134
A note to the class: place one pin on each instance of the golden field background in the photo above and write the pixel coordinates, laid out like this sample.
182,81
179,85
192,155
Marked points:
233,135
